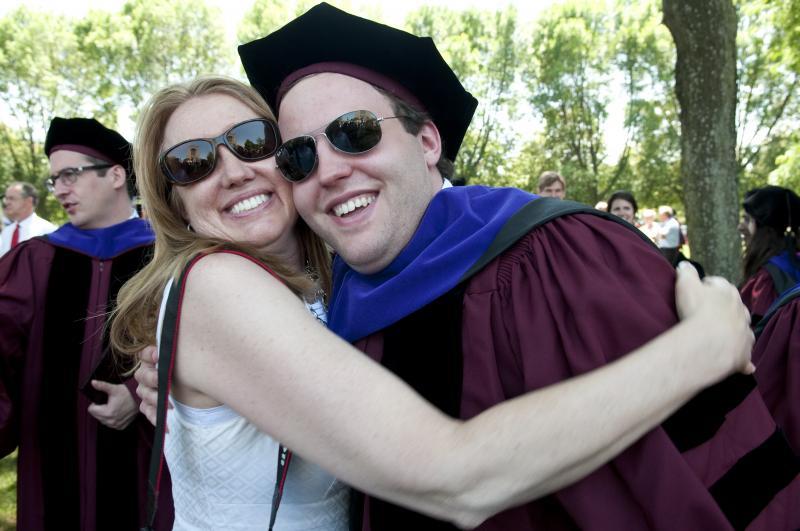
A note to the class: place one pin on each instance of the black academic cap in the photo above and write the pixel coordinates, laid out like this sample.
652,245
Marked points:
327,34
74,133
773,206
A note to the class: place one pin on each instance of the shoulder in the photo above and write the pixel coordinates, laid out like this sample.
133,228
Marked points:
568,246
219,272
28,265
42,224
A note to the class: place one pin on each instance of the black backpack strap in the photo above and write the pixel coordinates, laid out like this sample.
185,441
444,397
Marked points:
784,299
536,213
166,363
166,359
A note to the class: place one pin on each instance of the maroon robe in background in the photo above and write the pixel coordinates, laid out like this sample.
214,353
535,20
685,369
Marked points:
777,358
73,472
567,298
758,293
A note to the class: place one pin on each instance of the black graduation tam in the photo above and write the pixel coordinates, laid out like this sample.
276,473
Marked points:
774,206
90,137
326,34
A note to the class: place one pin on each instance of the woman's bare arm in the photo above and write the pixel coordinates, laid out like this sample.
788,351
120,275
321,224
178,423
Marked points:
246,341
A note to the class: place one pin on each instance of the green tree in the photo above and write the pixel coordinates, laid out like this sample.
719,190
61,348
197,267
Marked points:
41,76
482,48
152,43
767,107
592,70
705,84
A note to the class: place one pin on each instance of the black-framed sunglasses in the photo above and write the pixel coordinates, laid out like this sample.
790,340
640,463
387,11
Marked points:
353,133
193,160
68,176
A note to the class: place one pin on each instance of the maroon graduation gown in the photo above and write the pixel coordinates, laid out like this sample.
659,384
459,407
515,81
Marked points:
777,358
570,297
758,292
73,472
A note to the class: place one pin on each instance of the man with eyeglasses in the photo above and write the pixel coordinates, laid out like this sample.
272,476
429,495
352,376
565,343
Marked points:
19,202
466,296
64,401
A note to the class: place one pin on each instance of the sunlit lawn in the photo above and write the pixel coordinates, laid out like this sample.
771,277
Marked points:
8,493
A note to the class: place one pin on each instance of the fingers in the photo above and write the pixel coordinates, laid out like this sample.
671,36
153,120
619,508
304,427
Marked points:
147,376
149,398
149,355
688,288
103,386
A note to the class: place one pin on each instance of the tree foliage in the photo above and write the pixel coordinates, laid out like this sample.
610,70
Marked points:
586,89
103,65
482,48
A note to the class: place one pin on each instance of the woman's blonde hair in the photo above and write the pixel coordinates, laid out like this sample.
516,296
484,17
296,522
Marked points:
135,317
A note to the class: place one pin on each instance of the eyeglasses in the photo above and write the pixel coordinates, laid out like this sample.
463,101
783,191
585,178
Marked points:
68,176
353,133
192,160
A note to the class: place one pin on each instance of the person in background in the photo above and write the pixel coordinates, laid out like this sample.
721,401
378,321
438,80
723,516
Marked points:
622,204
649,226
83,447
19,203
770,229
669,234
552,184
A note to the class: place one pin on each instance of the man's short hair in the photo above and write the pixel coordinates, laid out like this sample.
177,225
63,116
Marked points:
666,209
548,178
28,190
412,121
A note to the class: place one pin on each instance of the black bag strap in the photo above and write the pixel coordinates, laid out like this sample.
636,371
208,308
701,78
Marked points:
535,214
166,364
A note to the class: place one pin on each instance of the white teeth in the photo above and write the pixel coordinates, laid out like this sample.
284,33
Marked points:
248,204
352,204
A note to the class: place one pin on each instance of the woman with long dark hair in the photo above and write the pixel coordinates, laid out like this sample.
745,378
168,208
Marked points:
770,229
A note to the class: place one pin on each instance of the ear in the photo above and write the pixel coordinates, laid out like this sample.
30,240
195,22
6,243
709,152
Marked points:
118,176
431,143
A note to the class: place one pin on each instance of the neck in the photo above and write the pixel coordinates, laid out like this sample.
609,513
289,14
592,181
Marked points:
121,211
23,217
287,250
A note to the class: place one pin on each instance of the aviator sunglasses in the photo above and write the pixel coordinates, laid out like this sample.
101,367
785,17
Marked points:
353,133
195,159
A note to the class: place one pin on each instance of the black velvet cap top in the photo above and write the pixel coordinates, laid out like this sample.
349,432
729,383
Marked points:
774,206
72,133
325,34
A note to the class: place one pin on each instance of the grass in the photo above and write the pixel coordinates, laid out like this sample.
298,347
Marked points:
8,493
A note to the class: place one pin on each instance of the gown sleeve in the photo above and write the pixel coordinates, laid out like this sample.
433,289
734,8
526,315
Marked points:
19,271
572,296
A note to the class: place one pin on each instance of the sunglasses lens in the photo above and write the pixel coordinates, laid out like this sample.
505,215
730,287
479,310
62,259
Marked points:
189,162
354,132
297,158
253,140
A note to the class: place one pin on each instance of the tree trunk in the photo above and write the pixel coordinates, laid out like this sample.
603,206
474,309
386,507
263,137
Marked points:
705,84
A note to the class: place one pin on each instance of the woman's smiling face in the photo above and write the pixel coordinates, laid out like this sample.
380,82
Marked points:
239,201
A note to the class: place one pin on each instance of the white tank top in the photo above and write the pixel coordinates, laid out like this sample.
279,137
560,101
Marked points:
223,472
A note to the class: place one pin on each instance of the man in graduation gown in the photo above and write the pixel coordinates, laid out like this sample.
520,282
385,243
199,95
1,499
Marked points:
412,291
64,403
